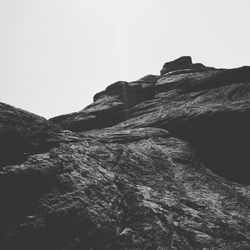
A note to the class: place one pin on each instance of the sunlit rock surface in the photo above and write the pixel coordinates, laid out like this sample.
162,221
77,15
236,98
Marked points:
158,163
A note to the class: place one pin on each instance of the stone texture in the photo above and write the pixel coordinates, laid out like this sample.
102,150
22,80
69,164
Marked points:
158,163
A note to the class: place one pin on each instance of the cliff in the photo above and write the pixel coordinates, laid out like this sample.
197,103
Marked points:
158,163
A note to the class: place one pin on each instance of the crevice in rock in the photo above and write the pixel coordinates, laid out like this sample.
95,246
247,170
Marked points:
222,142
132,93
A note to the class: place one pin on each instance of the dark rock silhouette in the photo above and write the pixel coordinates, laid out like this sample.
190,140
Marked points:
184,62
158,163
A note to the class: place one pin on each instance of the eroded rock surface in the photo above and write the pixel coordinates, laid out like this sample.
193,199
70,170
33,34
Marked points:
158,163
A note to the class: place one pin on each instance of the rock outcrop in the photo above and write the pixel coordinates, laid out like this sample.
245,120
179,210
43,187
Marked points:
184,62
158,163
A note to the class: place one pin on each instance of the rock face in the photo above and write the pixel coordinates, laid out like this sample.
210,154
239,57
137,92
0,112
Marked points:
158,163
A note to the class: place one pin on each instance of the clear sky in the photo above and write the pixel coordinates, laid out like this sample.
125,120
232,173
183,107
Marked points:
56,54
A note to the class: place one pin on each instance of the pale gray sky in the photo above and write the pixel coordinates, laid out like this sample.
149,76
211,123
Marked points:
56,54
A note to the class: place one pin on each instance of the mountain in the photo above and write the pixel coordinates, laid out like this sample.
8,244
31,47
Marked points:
158,163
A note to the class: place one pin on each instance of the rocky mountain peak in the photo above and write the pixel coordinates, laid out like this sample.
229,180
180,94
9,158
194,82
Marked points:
161,162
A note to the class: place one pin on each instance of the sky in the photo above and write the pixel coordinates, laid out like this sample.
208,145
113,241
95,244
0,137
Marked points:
56,54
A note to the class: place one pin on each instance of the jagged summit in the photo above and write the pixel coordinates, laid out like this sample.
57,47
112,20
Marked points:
161,162
184,62
179,75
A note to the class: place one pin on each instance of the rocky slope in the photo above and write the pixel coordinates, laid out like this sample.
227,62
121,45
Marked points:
157,163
